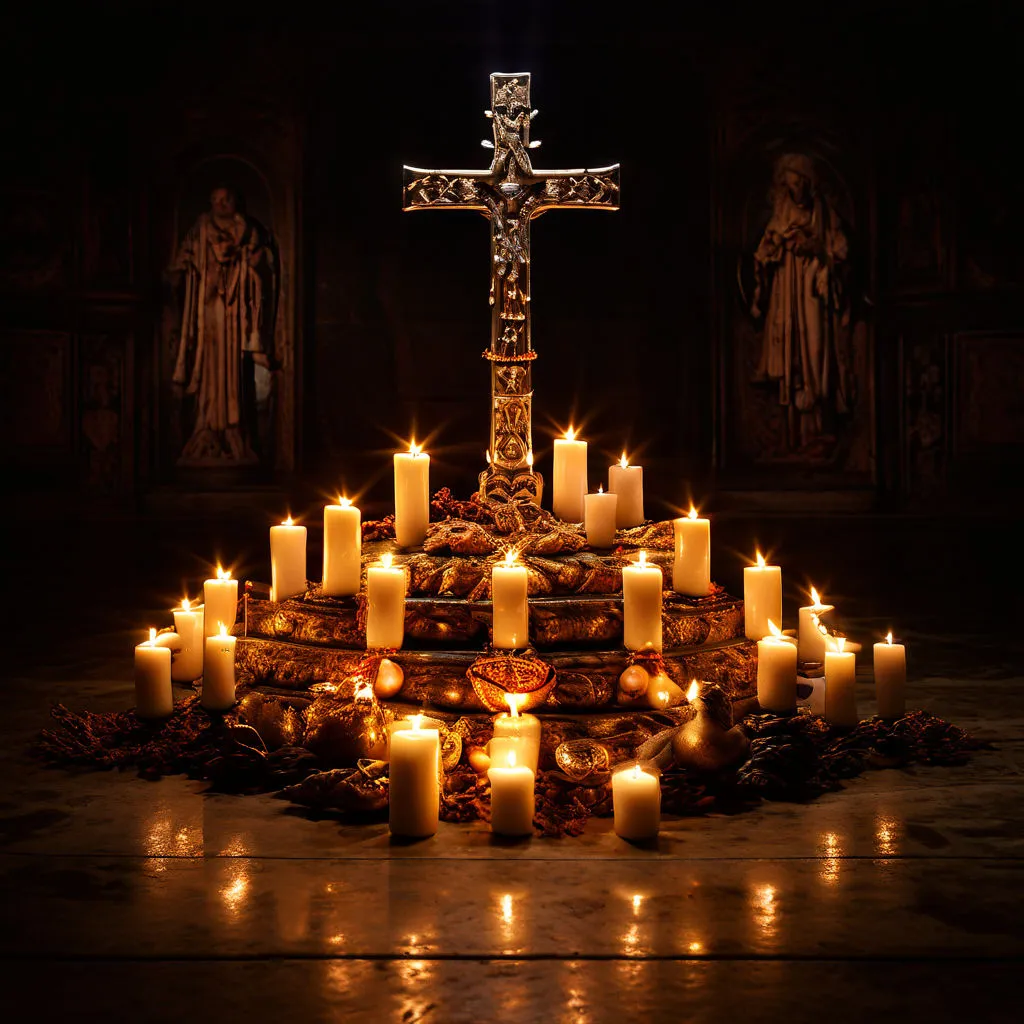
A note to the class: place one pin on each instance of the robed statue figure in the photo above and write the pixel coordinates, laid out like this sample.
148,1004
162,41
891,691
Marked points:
229,303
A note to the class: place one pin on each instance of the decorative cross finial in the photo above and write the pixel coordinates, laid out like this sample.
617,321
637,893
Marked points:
511,194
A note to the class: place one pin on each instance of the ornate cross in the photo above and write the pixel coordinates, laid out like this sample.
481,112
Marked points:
511,194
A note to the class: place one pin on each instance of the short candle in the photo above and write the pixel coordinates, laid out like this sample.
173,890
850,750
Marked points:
188,624
153,697
385,604
776,672
569,477
891,678
412,496
414,793
220,601
512,797
762,597
840,685
343,542
691,567
218,690
642,585
599,518
510,615
627,483
636,803
810,638
525,729
287,560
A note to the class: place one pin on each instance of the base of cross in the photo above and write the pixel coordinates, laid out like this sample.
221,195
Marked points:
511,485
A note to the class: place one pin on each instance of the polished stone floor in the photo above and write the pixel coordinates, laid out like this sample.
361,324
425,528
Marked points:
899,898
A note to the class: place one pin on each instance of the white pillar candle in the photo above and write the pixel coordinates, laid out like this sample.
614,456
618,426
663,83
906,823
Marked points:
891,678
776,672
636,801
400,724
641,605
188,624
220,602
414,793
343,545
218,691
691,568
385,604
569,478
523,728
511,797
510,617
627,482
762,597
287,560
412,496
153,697
840,686
810,637
599,518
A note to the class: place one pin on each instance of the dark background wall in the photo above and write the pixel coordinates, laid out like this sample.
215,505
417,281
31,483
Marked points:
638,315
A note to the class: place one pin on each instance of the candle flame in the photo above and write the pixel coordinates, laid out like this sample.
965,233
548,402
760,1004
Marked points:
511,758
815,600
570,434
624,462
152,634
223,630
487,456
512,700
692,691
416,720
288,522
344,502
529,459
888,637
642,560
223,574
693,512
838,643
386,559
510,557
600,488
415,449
186,604
636,770
760,560
773,631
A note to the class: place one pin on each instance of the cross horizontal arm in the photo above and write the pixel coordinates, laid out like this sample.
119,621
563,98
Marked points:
452,190
595,188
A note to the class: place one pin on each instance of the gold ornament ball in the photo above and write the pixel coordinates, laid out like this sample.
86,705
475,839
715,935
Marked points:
390,679
479,760
634,680
663,692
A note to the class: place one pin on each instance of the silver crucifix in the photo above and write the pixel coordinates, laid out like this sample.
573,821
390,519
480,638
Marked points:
511,194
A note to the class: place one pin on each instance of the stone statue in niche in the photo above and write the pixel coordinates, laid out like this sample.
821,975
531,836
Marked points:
228,270
801,298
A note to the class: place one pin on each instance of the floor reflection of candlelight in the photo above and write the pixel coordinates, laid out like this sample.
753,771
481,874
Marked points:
832,852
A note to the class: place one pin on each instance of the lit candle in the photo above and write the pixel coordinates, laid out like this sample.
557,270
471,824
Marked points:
343,543
385,604
776,672
511,797
641,605
510,619
891,678
287,560
569,478
627,482
412,496
220,601
414,793
599,518
840,685
218,692
810,637
153,697
691,568
636,801
522,730
188,624
762,597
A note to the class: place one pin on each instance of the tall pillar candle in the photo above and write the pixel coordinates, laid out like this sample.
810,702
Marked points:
414,794
636,803
841,686
776,672
627,482
220,602
762,598
512,798
599,518
510,617
218,691
188,624
891,678
287,560
810,638
343,544
153,697
569,478
691,567
412,496
642,585
385,604
523,728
